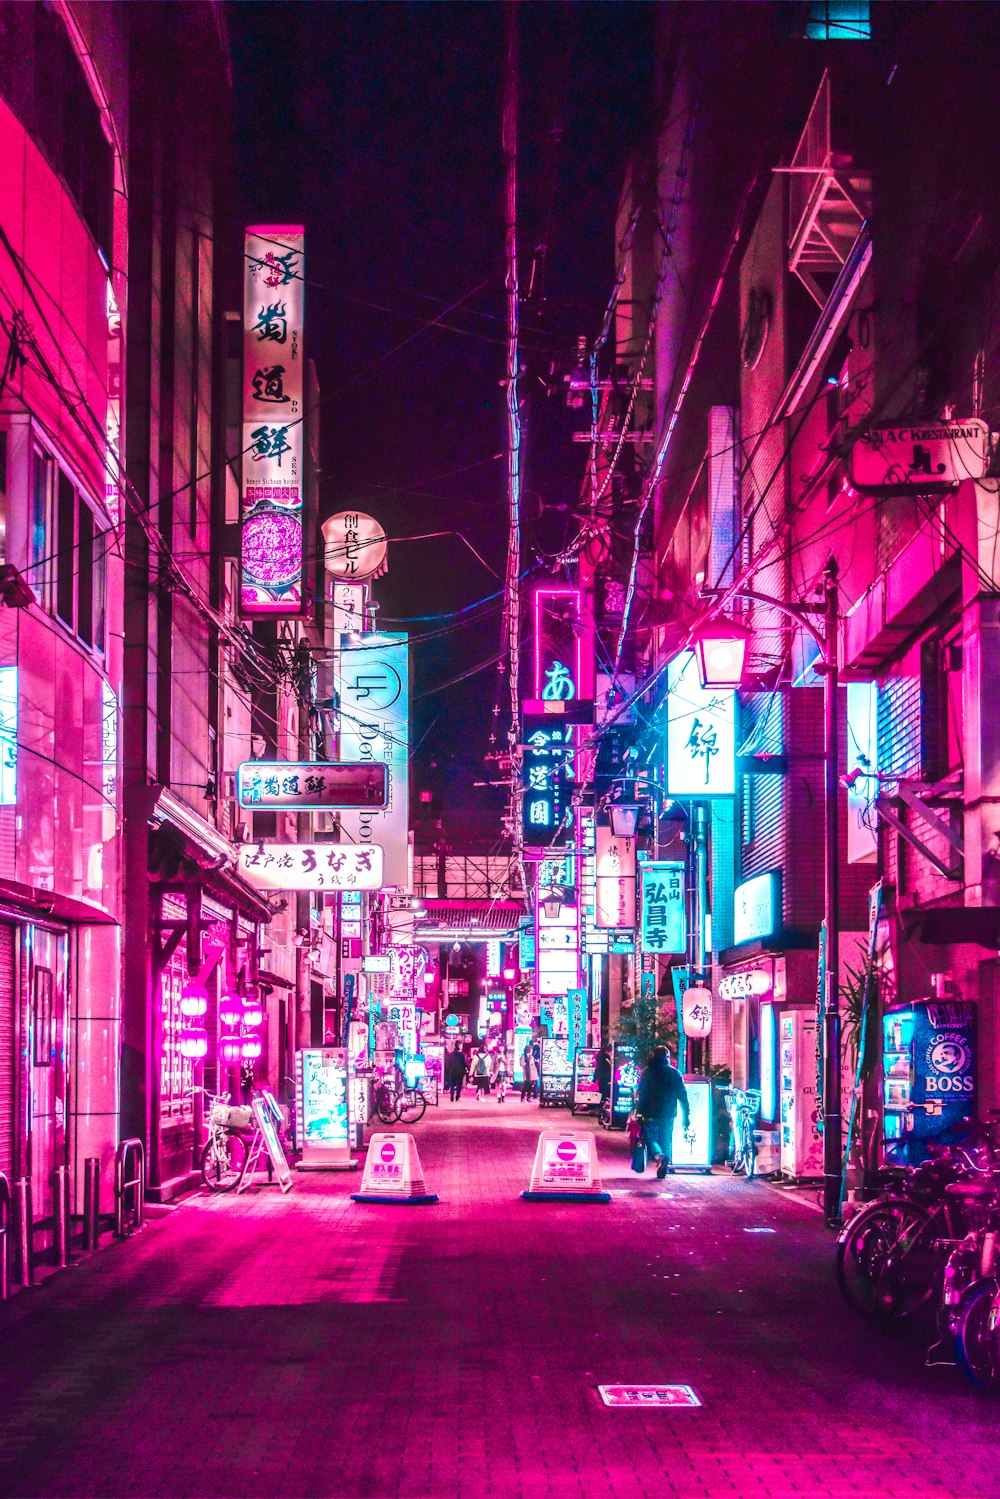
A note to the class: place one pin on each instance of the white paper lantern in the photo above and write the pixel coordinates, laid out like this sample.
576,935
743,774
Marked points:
696,1011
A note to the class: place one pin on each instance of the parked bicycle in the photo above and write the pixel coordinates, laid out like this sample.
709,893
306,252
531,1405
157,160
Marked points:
399,1105
744,1106
227,1149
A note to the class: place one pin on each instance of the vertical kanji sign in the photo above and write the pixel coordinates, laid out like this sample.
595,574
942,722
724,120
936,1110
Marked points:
664,917
271,547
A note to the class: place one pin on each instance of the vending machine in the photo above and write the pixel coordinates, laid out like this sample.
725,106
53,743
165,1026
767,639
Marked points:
801,1141
928,1064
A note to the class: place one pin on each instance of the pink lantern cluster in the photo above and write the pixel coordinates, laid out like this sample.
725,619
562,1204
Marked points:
193,1039
242,1014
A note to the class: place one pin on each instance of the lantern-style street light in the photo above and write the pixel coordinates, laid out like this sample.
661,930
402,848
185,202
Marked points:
624,818
720,645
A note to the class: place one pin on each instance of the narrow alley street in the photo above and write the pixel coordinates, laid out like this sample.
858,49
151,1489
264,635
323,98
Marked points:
308,1345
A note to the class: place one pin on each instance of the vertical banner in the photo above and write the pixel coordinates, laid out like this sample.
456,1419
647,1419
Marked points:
558,645
373,697
664,917
701,733
272,536
615,879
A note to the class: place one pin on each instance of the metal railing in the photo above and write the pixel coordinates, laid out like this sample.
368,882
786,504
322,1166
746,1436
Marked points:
129,1219
4,1240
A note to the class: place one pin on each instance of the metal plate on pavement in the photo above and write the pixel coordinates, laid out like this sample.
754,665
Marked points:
648,1396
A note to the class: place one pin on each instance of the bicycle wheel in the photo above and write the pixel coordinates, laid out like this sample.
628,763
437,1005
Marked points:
385,1106
410,1106
222,1162
977,1336
604,1114
886,1266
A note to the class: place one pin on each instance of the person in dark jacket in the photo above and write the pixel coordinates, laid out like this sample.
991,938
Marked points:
455,1067
602,1072
661,1093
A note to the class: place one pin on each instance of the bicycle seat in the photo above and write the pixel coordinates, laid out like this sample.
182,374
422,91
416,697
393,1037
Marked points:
969,1189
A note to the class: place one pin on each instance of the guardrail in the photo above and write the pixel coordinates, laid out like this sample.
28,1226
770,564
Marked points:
127,1220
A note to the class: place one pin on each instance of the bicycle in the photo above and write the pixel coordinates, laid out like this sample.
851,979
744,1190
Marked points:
744,1106
403,1106
226,1151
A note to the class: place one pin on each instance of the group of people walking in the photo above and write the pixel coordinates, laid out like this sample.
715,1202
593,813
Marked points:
487,1072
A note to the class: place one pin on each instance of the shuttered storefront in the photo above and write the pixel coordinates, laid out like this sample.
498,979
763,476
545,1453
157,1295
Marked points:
8,935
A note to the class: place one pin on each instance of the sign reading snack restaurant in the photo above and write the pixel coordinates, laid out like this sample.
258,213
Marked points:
930,455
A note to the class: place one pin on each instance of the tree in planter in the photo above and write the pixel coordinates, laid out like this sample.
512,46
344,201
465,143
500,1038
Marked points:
650,1023
852,1005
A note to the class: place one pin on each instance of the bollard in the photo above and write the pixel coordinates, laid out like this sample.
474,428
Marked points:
91,1202
4,1237
60,1244
24,1242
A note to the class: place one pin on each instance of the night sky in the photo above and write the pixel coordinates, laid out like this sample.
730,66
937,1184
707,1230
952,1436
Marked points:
378,127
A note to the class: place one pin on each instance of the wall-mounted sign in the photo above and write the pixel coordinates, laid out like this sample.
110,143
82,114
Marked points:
664,914
595,939
355,545
264,784
558,644
301,866
862,756
931,455
373,696
742,985
8,739
547,778
701,734
557,957
271,547
757,907
614,865
377,962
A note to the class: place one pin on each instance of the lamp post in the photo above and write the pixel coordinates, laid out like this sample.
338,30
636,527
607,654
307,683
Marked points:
711,648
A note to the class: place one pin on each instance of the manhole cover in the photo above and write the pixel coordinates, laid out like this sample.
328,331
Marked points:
648,1396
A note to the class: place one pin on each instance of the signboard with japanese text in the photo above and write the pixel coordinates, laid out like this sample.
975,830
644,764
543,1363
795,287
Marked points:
757,907
931,455
595,939
614,866
301,866
355,545
664,915
557,957
700,734
373,694
322,1107
559,637
272,540
291,785
547,778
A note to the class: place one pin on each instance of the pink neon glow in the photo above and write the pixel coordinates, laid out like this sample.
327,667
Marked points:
272,549
541,595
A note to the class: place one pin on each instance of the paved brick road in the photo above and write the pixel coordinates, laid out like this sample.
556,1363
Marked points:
308,1346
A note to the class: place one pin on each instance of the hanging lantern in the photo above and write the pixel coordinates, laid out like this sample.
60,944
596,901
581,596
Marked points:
194,999
230,1008
720,647
250,1048
253,1012
696,1011
193,1042
230,1048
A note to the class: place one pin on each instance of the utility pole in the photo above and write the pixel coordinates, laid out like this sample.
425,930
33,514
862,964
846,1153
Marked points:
833,1147
512,589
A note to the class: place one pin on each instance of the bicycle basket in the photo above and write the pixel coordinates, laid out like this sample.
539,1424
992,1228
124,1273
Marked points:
232,1116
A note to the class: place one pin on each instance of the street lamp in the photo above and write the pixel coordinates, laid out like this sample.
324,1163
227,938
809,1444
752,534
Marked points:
726,641
624,818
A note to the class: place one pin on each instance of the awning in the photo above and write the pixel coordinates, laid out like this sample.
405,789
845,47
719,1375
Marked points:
946,924
211,852
469,920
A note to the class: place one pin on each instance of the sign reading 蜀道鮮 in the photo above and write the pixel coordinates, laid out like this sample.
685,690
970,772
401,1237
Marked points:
305,785
373,698
304,866
273,448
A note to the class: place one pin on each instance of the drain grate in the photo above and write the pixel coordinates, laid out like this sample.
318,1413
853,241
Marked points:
659,1397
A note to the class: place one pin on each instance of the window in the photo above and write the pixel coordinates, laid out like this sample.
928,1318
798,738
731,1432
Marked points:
68,553
838,21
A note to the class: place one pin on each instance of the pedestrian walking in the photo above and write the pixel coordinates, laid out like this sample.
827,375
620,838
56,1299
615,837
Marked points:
527,1073
481,1072
500,1077
455,1067
661,1093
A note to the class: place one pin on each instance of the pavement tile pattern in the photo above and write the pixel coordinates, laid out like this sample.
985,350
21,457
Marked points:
310,1346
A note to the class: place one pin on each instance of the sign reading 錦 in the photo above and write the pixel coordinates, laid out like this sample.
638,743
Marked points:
264,784
664,915
701,733
373,695
273,448
301,866
929,455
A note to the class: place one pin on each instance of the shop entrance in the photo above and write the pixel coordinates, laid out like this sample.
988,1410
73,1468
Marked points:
46,1000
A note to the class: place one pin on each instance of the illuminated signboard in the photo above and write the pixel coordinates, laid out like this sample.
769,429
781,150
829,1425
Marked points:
557,958
300,866
8,739
264,784
614,863
757,907
558,644
373,693
701,734
664,917
547,778
595,939
272,540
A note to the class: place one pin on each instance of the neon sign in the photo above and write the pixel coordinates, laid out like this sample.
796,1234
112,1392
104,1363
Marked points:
701,733
558,644
272,540
664,918
547,778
